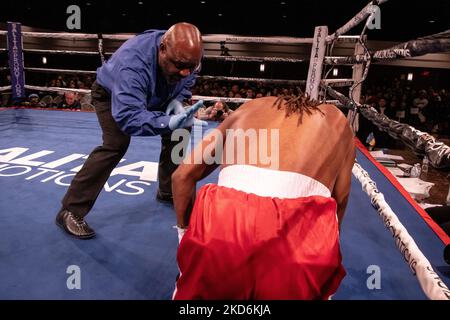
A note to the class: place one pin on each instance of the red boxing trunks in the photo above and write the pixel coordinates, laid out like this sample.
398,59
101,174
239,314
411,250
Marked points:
261,234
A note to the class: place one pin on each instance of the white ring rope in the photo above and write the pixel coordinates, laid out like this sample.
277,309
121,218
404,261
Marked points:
243,100
206,38
60,71
357,19
75,36
345,60
432,285
252,59
194,97
269,40
263,80
337,82
223,99
260,40
57,89
71,52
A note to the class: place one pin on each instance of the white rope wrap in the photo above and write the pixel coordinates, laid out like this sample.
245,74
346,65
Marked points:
269,40
60,71
57,89
75,36
71,52
266,40
195,97
345,60
353,22
433,287
252,59
206,38
337,82
262,80
351,39
223,99
243,100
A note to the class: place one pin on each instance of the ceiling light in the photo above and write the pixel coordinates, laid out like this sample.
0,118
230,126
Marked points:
140,2
44,60
219,14
431,21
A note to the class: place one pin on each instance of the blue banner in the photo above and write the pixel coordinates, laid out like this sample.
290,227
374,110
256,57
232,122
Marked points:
15,54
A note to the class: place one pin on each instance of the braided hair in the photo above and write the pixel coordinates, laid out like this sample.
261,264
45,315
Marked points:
297,104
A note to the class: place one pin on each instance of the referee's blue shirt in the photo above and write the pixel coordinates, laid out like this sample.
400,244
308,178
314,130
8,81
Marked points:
139,92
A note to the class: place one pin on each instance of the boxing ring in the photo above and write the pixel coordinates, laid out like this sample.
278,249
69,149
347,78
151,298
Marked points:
391,248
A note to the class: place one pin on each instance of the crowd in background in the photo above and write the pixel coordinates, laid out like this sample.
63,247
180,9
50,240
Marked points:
426,109
58,99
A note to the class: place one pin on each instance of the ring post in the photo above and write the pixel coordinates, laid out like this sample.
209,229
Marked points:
15,55
316,62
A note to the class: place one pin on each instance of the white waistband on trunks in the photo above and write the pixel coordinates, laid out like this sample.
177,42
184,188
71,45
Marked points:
271,183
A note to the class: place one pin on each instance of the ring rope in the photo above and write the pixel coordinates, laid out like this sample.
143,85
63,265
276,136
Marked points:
243,100
205,38
353,22
70,52
57,89
264,80
432,285
252,59
435,43
223,99
339,96
71,71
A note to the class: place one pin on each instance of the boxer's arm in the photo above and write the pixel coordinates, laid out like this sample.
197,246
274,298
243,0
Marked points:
341,190
196,166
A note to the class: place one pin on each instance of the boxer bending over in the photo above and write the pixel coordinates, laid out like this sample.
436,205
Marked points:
267,229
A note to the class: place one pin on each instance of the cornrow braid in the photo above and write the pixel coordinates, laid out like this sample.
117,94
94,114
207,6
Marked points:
297,104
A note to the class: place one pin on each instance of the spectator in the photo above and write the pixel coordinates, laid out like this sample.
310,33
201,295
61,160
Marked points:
33,101
70,101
